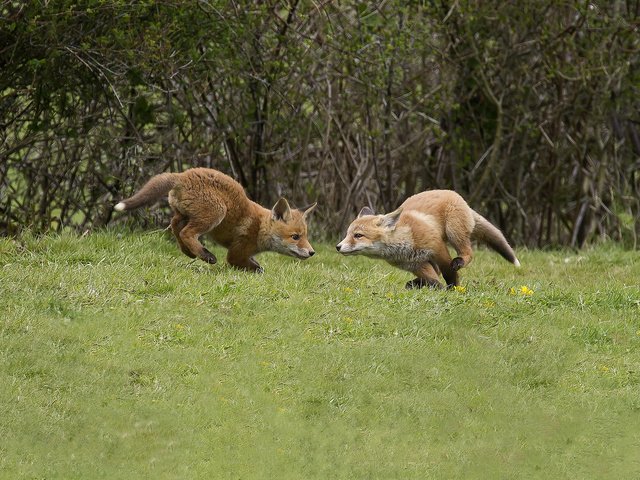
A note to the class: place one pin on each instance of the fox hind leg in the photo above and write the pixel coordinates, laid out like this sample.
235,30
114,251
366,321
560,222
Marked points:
178,222
189,238
198,226
460,239
465,255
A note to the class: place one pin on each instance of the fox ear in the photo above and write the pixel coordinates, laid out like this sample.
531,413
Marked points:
390,219
281,210
365,211
307,210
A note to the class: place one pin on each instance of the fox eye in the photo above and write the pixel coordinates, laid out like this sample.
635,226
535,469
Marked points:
358,235
295,236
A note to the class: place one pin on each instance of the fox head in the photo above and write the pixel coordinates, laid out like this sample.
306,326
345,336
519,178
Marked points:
369,233
287,230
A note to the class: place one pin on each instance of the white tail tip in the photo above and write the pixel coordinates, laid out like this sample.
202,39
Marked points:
516,262
120,207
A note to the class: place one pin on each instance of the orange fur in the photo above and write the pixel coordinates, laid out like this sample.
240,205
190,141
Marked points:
415,236
208,202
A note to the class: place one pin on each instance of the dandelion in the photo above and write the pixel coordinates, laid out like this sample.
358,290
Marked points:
460,289
604,368
348,290
523,290
526,290
348,319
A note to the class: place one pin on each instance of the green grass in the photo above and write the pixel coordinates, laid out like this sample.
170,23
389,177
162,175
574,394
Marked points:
121,358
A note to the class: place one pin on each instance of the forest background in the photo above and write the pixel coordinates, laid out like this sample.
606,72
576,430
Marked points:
531,110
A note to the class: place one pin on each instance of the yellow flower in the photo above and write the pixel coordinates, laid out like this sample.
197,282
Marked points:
604,368
526,290
460,289
348,319
512,291
179,326
348,290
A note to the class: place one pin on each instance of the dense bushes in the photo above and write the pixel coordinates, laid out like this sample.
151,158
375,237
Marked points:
529,109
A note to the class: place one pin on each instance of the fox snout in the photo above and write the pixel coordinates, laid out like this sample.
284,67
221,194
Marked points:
343,248
306,250
303,253
310,253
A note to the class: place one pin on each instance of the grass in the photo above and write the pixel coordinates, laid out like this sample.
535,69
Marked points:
121,358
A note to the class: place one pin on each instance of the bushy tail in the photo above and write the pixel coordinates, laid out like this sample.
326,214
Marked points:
152,191
487,233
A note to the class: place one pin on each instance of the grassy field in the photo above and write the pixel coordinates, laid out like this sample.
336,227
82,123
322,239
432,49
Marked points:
122,358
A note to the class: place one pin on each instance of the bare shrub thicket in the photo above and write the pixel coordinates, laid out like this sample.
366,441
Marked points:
530,110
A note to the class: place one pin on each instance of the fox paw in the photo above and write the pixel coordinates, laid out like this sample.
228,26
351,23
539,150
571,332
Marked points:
208,257
422,282
259,270
415,283
457,263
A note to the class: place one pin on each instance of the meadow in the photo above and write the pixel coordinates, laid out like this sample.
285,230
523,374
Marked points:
122,358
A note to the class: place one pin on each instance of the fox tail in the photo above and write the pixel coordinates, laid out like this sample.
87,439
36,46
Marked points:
489,234
156,188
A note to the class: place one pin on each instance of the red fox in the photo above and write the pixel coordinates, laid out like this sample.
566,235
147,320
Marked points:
414,237
206,201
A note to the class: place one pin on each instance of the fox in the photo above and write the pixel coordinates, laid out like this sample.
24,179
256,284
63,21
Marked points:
208,202
414,237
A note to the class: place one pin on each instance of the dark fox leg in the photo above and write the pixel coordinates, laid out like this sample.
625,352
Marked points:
450,275
426,277
178,222
444,262
256,265
239,259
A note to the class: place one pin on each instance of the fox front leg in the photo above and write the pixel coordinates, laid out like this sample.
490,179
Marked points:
243,262
256,265
444,265
426,277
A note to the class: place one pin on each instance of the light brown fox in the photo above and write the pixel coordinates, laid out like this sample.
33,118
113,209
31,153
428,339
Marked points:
206,201
414,237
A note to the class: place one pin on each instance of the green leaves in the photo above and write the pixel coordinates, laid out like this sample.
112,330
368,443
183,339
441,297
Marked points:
346,102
